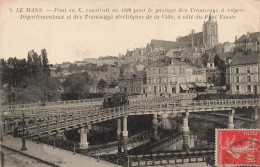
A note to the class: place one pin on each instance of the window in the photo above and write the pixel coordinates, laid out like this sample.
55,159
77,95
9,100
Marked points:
165,88
210,64
249,88
173,70
166,70
237,78
160,79
248,70
248,79
173,89
237,88
160,88
237,70
159,71
166,80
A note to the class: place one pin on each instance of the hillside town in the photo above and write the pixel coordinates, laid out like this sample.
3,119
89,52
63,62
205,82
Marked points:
195,62
166,104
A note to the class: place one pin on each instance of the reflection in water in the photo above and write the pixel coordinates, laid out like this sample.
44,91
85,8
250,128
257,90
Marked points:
193,142
202,134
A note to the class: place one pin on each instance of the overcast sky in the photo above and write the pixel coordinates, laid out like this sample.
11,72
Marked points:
72,40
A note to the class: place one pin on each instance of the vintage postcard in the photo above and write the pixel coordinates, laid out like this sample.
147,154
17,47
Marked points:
129,83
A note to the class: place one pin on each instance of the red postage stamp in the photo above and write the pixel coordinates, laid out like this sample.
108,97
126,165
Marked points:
237,147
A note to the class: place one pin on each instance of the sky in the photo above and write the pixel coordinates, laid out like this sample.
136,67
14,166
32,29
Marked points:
74,40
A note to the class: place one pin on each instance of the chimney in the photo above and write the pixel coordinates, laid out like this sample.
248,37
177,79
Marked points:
192,31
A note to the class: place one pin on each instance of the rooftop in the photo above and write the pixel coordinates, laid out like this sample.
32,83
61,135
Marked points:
196,36
168,44
252,37
244,59
167,62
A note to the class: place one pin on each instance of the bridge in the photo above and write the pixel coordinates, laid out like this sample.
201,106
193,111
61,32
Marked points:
56,118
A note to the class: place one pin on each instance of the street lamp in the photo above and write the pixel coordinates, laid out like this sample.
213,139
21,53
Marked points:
2,125
23,137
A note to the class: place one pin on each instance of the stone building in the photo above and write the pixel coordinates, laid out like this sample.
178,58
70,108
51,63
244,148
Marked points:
248,42
109,60
243,74
161,45
228,47
171,76
208,38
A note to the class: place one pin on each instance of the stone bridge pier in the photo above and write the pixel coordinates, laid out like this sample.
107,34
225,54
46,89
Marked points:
231,119
125,134
155,127
122,141
256,113
118,132
83,137
186,131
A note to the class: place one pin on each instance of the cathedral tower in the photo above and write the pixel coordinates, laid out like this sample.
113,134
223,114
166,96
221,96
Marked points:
210,33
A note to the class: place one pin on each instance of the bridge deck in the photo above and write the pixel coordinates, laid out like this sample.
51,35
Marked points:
54,120
55,156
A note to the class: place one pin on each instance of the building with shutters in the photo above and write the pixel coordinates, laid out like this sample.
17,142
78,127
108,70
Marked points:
243,74
172,76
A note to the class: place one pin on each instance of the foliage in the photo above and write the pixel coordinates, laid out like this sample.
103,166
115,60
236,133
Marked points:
73,67
58,69
102,68
216,61
77,83
102,85
204,59
26,80
222,70
31,94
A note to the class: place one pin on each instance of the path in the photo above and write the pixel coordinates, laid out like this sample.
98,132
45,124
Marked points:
55,156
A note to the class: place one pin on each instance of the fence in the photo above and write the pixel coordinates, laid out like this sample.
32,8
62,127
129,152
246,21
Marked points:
59,143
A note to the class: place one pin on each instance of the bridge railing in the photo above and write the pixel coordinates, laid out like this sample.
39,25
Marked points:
171,158
46,110
79,116
160,99
29,105
199,103
71,119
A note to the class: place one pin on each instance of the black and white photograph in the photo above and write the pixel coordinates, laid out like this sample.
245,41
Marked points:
129,83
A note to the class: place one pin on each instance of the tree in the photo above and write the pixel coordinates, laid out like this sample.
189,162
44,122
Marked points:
102,85
216,60
45,66
204,59
222,69
58,69
26,77
36,68
77,83
73,67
